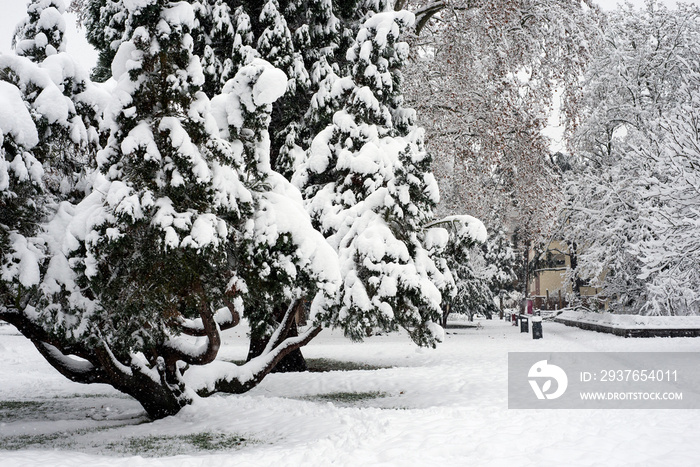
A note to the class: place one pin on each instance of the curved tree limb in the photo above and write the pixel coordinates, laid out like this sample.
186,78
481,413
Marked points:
99,365
424,14
36,333
282,330
160,394
79,371
260,366
175,350
55,351
226,318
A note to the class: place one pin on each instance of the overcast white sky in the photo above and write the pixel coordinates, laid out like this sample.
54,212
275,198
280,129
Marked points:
14,10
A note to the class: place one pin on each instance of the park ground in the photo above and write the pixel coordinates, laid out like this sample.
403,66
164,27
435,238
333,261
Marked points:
385,402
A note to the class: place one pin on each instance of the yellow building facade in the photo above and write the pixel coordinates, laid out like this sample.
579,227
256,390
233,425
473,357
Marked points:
547,284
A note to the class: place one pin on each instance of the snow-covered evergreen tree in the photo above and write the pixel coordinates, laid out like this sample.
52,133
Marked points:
41,33
51,112
153,248
68,127
502,261
44,147
369,191
243,50
21,189
171,232
203,25
183,226
104,28
276,46
318,41
472,293
272,263
324,34
213,70
218,45
462,263
223,31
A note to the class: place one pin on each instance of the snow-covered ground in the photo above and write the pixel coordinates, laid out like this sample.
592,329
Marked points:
443,407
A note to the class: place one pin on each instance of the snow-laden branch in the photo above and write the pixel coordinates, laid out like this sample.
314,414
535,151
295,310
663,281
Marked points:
179,348
474,227
75,369
111,364
34,332
73,360
285,325
424,14
225,318
234,379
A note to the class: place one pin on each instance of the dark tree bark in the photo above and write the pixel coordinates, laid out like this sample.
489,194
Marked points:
99,365
294,361
577,283
164,396
526,268
445,313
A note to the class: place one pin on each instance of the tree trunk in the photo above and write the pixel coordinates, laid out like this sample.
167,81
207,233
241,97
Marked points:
445,314
294,361
577,282
526,269
158,400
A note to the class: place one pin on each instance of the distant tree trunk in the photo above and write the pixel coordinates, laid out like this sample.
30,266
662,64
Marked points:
294,361
526,269
577,282
445,314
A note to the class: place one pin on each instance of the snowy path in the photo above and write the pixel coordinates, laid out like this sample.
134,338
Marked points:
439,407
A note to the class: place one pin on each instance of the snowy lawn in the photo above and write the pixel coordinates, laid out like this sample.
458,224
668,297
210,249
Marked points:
408,406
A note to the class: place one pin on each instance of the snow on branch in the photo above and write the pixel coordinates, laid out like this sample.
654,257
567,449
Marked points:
74,368
179,348
230,378
474,227
221,376
425,13
283,329
225,318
